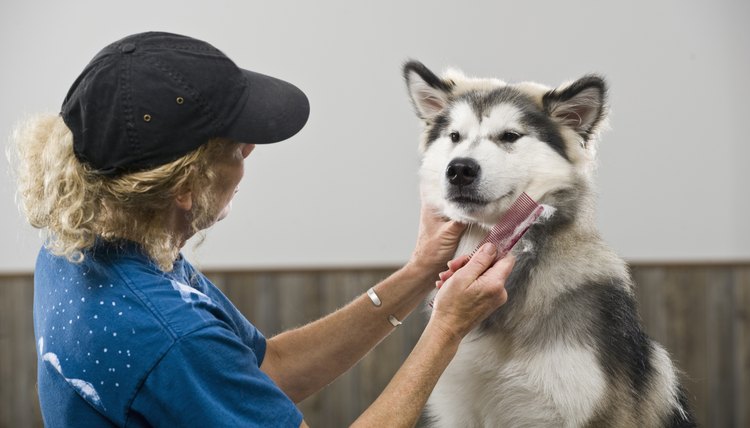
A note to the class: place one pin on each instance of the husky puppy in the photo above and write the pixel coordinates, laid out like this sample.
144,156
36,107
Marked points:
567,349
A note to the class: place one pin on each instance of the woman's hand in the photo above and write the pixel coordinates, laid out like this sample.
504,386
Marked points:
436,242
472,289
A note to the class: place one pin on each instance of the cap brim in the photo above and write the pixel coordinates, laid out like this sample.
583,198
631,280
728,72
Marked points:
273,110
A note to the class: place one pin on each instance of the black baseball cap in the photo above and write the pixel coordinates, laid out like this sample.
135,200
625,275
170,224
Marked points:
150,98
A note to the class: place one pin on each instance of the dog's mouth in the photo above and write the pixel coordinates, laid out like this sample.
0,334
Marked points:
475,201
475,208
469,201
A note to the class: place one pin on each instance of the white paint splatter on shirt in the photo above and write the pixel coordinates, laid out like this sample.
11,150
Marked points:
86,389
189,294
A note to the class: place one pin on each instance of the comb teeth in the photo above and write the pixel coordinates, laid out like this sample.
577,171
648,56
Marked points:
517,215
510,228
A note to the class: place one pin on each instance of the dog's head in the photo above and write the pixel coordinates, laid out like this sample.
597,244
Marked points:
485,141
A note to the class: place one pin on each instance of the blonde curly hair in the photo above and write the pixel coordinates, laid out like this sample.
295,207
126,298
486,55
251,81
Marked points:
74,206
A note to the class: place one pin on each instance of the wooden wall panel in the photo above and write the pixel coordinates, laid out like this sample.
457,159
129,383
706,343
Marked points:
19,405
700,313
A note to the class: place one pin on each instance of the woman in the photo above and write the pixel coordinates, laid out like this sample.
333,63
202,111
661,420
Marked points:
147,151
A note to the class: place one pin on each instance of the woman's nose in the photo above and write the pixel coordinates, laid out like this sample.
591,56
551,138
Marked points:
247,149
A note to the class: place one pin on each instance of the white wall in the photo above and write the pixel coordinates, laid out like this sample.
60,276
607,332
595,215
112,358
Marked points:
673,177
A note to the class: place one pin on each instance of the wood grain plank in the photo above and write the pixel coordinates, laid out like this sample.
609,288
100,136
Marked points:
19,402
721,347
741,364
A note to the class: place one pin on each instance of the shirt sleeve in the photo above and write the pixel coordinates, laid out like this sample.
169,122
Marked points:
211,378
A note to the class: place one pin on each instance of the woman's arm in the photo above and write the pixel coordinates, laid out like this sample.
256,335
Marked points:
304,360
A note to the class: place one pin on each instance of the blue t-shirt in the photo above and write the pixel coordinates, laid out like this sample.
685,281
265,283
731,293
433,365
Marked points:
121,343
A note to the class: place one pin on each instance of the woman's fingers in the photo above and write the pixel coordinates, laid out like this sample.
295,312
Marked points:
479,263
453,266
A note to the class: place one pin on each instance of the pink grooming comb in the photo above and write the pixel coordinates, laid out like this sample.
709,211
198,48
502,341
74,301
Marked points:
511,226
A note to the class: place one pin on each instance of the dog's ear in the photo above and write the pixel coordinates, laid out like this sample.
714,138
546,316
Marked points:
580,106
429,93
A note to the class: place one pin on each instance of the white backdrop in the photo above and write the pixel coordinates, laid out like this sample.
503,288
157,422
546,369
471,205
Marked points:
673,175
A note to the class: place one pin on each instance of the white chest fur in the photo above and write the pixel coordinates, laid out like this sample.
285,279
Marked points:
488,384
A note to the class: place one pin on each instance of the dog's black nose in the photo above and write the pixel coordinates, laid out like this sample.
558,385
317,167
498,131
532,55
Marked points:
462,171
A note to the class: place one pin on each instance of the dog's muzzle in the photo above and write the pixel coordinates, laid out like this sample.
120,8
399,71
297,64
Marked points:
462,171
463,176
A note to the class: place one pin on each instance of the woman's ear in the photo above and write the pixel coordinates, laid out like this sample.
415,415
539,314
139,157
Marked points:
184,200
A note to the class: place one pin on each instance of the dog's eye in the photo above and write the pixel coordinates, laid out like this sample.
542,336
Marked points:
455,136
510,136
